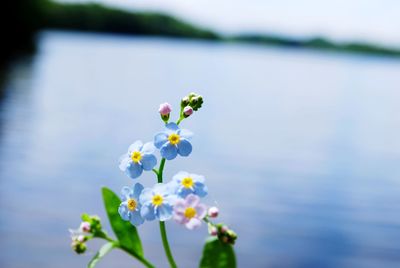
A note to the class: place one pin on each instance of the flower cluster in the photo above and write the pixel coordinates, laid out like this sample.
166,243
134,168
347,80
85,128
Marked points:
179,198
90,227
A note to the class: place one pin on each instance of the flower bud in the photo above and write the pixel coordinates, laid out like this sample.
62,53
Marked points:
224,229
78,247
185,101
81,238
165,109
225,239
213,231
187,111
213,212
85,227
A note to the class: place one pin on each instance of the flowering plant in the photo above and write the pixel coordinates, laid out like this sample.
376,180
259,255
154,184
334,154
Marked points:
178,199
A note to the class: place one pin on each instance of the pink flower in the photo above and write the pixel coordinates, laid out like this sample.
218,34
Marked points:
213,212
189,211
188,110
165,108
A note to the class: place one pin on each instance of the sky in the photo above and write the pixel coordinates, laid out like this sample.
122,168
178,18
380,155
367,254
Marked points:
375,21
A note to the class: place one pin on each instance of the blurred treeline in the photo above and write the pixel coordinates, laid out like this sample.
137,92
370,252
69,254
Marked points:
20,20
97,18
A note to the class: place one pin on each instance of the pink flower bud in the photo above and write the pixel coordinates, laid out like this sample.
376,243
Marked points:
213,212
213,231
85,227
188,110
224,229
165,109
80,238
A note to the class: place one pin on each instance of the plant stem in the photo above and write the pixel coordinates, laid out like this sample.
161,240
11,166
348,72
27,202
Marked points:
180,120
163,232
160,171
166,245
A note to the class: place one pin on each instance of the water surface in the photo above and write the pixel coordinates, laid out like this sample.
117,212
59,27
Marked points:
300,150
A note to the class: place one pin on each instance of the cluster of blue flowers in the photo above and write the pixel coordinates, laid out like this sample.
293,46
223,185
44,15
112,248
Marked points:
141,204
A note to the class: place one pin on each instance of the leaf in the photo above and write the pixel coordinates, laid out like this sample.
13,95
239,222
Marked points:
101,253
126,233
217,255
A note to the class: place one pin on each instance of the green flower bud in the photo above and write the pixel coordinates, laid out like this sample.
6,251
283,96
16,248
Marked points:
79,247
185,101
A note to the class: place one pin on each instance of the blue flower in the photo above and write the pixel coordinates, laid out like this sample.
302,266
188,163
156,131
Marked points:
157,202
185,183
137,158
129,209
173,141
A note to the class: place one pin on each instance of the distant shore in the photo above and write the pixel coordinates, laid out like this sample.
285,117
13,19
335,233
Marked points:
45,14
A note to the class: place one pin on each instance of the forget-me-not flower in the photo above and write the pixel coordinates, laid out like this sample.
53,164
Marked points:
138,158
173,141
185,183
129,209
189,211
157,202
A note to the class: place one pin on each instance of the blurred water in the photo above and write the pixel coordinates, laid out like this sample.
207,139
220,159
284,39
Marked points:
301,150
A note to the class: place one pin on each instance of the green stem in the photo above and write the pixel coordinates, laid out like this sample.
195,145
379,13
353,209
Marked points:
166,245
180,120
163,232
160,171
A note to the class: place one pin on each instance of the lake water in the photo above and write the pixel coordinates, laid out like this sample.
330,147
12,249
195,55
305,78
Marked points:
300,149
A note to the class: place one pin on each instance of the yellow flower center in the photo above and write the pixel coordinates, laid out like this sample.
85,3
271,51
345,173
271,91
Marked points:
187,182
136,156
157,200
190,213
174,138
131,204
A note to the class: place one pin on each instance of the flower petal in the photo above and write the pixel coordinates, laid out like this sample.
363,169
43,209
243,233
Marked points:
180,206
147,212
149,161
134,170
193,223
146,196
197,178
124,211
180,175
125,193
148,148
185,133
180,218
160,139
192,200
137,190
184,147
169,151
172,126
136,146
183,192
201,191
164,212
201,211
124,161
136,219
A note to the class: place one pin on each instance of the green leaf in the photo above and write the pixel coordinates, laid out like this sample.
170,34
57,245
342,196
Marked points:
217,255
101,253
126,233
